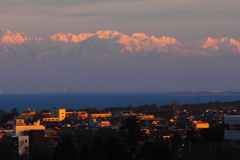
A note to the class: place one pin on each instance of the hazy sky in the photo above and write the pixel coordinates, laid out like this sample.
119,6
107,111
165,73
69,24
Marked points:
183,19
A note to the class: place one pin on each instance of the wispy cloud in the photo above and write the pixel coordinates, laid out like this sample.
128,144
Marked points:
127,15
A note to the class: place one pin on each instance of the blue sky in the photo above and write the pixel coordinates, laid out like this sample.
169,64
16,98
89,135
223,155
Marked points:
185,20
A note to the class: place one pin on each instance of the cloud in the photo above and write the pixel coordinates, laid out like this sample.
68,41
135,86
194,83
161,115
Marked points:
174,17
169,9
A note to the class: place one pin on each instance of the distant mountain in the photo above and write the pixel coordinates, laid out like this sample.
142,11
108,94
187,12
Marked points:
112,61
9,37
103,44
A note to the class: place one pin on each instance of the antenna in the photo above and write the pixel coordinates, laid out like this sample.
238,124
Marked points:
175,109
65,88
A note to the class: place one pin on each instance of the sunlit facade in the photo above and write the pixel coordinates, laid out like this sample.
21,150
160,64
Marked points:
98,115
20,133
56,115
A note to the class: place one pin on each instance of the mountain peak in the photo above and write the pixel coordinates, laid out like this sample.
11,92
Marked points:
11,37
140,36
217,44
107,34
169,40
69,37
5,32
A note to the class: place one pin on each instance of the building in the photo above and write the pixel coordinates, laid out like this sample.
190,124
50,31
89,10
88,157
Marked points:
200,124
101,115
77,115
97,124
36,140
22,134
175,109
28,112
19,127
145,116
56,115
233,133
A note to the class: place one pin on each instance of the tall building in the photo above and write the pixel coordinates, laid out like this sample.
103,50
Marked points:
175,109
58,113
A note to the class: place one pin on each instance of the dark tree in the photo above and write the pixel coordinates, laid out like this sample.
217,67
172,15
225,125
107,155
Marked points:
2,115
212,135
8,150
15,112
98,152
176,137
65,150
45,111
192,135
85,153
91,110
154,151
116,149
131,131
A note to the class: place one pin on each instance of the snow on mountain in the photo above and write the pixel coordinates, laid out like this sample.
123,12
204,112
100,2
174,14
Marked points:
140,36
10,37
140,42
227,45
136,43
107,34
110,42
69,37
112,61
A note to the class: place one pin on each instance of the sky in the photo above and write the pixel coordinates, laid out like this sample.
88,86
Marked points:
185,20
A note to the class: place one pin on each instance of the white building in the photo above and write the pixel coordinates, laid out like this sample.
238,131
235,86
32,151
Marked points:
19,127
234,129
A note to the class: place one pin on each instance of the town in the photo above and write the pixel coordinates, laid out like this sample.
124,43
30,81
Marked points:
148,132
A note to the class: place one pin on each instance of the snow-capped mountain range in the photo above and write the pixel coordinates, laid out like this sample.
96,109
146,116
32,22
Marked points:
112,61
105,43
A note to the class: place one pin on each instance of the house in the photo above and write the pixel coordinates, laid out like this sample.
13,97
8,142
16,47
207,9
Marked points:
200,124
97,124
144,116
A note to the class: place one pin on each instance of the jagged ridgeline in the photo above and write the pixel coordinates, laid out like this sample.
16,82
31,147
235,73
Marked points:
104,44
120,58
